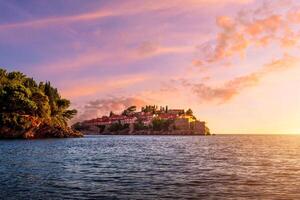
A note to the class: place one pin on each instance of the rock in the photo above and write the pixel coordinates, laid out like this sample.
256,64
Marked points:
47,131
42,131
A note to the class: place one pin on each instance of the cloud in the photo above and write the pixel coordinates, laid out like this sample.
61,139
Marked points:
205,93
99,107
58,20
267,25
119,9
99,58
226,92
92,87
149,49
226,22
277,65
260,26
232,88
75,62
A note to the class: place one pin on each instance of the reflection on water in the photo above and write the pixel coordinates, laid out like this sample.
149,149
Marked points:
151,167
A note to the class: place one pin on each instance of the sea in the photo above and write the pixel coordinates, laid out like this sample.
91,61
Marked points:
152,167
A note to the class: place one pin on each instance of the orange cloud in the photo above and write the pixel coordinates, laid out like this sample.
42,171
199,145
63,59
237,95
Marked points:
225,22
231,88
283,63
294,15
227,91
150,49
289,39
269,24
263,41
206,93
258,27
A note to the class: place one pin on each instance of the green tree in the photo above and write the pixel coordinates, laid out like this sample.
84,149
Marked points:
189,112
161,124
129,111
149,109
116,127
139,125
21,99
111,113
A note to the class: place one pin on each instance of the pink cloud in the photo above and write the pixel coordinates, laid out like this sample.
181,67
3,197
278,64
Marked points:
232,88
99,107
58,20
92,87
254,27
99,58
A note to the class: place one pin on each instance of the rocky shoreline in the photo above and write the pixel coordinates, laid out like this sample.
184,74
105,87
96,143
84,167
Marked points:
37,129
42,131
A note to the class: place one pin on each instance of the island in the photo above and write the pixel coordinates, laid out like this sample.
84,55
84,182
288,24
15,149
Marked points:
30,110
150,120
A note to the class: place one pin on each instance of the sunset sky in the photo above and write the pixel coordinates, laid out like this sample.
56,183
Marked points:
236,63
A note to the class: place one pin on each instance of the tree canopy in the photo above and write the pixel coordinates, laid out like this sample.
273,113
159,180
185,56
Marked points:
189,112
129,111
21,98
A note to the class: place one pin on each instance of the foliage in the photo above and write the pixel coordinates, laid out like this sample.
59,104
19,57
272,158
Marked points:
101,128
129,111
139,125
207,131
189,112
111,114
149,109
161,124
80,126
118,127
15,121
181,113
21,97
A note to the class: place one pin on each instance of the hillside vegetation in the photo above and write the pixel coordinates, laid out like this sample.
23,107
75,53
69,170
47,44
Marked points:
32,110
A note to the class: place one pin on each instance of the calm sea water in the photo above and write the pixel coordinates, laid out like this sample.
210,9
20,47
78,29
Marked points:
151,167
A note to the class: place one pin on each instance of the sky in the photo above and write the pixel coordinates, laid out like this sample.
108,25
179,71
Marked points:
234,62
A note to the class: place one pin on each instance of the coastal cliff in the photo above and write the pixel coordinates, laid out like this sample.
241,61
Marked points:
30,110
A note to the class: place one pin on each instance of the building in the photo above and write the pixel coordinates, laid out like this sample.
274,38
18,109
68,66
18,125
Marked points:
103,121
190,118
99,121
167,116
176,111
177,120
146,119
128,120
189,123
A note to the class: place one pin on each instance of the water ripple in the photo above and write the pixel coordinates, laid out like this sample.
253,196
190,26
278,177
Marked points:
151,167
